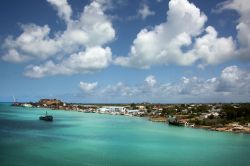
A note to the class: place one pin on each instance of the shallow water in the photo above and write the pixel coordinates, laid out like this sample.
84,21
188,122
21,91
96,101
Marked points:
87,139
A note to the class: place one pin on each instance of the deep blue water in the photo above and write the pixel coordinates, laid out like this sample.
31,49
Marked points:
75,138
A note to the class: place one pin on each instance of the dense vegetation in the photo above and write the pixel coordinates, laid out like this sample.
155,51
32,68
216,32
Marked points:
229,113
240,113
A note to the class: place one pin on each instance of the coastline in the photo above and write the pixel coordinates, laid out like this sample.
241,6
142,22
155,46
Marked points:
227,128
214,117
161,119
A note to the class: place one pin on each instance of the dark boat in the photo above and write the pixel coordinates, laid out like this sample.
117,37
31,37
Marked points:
46,117
172,120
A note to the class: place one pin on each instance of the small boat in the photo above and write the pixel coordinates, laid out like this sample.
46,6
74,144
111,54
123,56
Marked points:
172,120
46,117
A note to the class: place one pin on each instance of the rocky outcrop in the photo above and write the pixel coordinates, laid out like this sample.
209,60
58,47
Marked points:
50,102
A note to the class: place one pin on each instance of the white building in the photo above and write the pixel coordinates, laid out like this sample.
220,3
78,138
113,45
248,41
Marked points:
26,105
132,112
112,109
215,114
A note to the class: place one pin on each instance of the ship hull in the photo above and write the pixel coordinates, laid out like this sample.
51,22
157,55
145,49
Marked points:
176,123
46,118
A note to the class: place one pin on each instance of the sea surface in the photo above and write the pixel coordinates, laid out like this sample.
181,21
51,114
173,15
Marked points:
88,139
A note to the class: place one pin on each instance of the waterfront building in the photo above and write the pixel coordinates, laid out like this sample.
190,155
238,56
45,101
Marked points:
113,109
26,105
132,112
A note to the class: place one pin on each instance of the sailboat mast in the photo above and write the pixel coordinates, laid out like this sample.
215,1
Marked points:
14,99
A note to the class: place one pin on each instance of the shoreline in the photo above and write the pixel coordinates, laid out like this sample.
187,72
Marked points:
160,119
225,129
231,129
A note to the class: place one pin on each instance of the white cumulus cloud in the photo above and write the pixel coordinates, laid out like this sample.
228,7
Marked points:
63,8
232,84
177,41
119,90
15,57
34,43
77,49
91,60
87,87
213,50
150,80
234,80
243,26
145,12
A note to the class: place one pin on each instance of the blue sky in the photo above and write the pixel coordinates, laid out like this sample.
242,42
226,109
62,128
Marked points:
119,51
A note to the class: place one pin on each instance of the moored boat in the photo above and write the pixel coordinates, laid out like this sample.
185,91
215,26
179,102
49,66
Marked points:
172,120
46,117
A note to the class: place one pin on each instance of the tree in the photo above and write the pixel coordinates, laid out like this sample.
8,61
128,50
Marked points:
211,116
133,106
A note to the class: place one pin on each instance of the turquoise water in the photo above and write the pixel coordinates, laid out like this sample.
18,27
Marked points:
87,139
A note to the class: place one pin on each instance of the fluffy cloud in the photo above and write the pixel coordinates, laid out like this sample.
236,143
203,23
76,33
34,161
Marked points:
93,59
243,26
63,9
171,41
150,80
197,86
87,87
34,42
145,12
211,49
119,90
111,4
232,82
232,74
94,28
81,44
15,57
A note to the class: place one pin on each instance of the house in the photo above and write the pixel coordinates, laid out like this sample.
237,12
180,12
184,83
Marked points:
157,107
215,109
141,107
206,115
185,111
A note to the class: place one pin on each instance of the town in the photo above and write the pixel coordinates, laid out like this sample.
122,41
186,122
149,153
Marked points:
230,117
